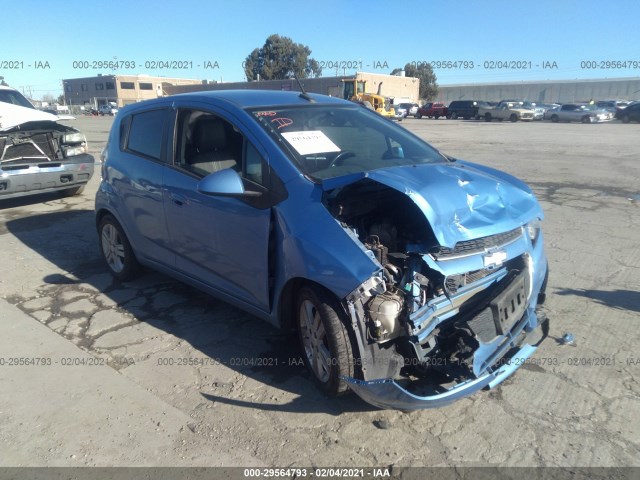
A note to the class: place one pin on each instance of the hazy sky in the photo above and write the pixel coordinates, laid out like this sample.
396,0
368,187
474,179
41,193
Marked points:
44,42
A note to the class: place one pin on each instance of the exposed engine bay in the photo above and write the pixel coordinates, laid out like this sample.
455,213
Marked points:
43,156
42,142
418,320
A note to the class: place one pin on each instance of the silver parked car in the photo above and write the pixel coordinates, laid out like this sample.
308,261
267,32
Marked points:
572,112
410,108
538,110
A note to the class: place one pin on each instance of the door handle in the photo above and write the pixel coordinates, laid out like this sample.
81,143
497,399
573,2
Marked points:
179,200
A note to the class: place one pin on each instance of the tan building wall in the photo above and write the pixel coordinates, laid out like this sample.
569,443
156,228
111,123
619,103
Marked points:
121,89
392,85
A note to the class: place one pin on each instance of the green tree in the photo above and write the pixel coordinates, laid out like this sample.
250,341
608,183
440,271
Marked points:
279,58
428,81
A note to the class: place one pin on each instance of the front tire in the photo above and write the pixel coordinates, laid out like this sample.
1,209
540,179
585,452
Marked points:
324,340
487,117
625,119
513,117
453,115
116,249
71,192
554,118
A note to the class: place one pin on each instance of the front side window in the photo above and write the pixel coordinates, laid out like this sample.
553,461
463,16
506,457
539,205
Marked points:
207,143
146,133
330,141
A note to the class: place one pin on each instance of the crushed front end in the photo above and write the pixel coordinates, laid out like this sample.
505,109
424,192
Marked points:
435,323
39,154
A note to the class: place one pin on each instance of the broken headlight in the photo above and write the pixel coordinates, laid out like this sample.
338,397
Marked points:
533,229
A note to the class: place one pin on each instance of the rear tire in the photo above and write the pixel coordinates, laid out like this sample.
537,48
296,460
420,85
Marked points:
554,118
453,115
418,116
625,119
116,249
487,117
324,340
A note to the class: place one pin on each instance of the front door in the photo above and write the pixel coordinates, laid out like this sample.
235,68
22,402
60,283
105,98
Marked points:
222,241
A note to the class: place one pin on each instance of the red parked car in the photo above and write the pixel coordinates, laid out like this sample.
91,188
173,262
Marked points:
432,110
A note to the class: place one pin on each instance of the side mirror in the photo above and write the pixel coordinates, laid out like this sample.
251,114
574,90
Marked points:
226,183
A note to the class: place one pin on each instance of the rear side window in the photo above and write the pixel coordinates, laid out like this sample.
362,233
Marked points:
124,131
146,133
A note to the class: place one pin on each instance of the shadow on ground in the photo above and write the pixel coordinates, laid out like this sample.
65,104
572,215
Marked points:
244,343
619,299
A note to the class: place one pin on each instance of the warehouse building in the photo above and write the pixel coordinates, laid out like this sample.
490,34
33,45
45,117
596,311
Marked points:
547,91
119,89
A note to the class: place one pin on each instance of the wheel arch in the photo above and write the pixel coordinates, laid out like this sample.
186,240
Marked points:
101,213
287,301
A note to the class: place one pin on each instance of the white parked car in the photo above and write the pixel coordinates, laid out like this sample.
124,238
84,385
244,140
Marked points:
107,110
37,153
572,112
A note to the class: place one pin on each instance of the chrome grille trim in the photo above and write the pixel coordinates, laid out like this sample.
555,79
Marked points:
478,245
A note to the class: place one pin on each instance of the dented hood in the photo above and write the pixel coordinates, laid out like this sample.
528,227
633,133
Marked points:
461,200
13,115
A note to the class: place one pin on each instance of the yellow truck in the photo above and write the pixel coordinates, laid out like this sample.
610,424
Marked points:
355,90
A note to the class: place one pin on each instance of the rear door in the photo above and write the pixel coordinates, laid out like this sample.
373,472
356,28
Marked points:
138,179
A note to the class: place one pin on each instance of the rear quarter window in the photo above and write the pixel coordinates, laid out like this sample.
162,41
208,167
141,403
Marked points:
124,131
146,133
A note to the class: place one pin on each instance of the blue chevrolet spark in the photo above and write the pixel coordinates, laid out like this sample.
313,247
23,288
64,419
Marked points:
412,278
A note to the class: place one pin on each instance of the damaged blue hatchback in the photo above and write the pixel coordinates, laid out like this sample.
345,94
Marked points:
410,277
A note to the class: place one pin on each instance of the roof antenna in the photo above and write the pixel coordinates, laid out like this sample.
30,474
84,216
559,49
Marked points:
304,94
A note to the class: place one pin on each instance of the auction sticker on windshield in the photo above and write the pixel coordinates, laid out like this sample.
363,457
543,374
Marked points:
310,142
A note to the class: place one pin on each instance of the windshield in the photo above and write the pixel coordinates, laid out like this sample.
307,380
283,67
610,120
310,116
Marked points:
15,98
330,141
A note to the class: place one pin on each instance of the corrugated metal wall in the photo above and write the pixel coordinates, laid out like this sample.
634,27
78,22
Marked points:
546,92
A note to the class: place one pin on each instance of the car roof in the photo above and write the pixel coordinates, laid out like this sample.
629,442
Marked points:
258,98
